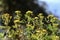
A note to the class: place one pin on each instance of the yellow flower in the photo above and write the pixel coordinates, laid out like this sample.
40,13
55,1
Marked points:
36,17
44,30
17,12
54,37
6,15
16,21
34,36
17,31
9,35
57,37
40,14
29,12
37,30
50,16
55,18
41,31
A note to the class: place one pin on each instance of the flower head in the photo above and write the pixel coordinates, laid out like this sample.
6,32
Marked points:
29,12
40,14
36,17
50,16
15,21
17,12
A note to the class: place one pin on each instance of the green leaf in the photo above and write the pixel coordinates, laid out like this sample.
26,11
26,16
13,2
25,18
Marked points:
1,35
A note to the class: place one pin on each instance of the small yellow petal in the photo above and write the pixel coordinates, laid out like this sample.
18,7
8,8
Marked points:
17,11
29,12
16,21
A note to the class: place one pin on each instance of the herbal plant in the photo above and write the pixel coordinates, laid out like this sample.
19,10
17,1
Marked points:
30,27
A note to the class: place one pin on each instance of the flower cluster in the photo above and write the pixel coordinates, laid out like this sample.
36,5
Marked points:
30,28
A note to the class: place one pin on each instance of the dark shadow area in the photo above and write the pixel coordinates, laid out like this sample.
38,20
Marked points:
25,5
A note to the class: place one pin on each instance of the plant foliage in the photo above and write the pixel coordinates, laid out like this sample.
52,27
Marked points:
29,27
